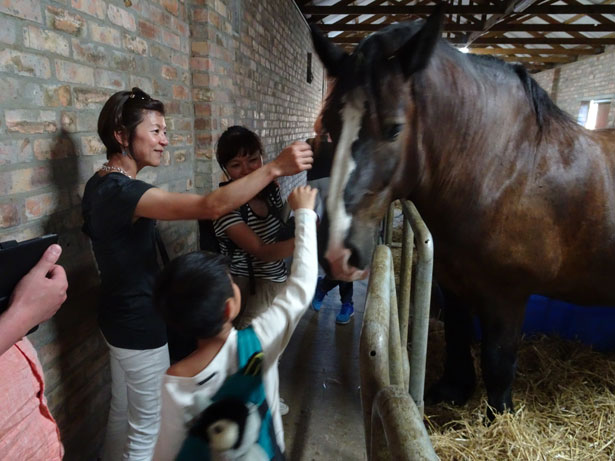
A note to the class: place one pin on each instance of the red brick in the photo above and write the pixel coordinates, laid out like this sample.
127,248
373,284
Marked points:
53,148
147,30
170,39
43,205
75,73
64,21
90,98
180,92
171,6
106,35
17,62
57,96
168,72
25,9
92,7
136,45
31,121
122,18
200,15
9,215
45,40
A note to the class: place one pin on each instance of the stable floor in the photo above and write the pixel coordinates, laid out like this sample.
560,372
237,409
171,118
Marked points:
319,380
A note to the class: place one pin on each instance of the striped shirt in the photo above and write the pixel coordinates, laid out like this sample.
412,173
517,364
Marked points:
266,228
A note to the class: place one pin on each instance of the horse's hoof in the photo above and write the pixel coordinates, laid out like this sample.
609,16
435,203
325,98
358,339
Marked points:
449,392
495,410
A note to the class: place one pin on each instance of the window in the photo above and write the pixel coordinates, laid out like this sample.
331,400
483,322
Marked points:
594,114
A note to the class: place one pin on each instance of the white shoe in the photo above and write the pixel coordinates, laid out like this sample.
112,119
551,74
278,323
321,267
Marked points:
283,407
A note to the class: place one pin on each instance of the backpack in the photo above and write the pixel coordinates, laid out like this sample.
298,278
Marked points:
237,423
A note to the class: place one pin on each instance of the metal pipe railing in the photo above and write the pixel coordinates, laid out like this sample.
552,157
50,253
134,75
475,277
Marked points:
394,427
419,320
374,347
402,425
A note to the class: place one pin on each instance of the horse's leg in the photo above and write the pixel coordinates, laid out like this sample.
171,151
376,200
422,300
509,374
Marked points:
459,379
501,331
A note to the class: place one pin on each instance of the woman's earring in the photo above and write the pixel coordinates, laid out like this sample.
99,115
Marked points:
124,151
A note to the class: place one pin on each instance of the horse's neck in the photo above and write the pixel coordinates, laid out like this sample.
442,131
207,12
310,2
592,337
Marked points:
469,106
466,115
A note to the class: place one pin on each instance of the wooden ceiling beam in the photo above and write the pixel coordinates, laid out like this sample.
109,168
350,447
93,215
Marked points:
596,42
578,8
510,6
536,51
541,59
452,27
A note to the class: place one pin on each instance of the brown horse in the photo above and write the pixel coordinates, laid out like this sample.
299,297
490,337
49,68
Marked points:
518,197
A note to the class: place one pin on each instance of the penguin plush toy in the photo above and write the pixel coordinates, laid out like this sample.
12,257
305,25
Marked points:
236,423
231,428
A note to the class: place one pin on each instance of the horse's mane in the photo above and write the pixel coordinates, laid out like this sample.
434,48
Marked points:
365,65
545,109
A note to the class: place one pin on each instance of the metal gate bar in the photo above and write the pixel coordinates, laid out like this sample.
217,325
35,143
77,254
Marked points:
393,423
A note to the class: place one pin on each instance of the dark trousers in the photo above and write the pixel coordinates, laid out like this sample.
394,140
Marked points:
326,285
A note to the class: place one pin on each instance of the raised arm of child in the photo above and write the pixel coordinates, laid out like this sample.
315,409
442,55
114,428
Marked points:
275,326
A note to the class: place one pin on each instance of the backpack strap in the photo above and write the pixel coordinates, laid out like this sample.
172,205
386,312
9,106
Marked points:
248,345
243,210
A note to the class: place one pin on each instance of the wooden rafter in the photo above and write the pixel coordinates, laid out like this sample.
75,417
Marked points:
485,26
579,8
468,27
511,6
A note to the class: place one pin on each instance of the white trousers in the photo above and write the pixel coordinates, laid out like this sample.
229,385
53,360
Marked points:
134,416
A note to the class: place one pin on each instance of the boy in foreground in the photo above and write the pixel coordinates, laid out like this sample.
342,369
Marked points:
198,298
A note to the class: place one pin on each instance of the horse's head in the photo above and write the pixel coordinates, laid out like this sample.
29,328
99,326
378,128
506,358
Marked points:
369,116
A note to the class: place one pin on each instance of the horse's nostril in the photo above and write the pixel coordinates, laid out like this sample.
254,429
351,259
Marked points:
355,257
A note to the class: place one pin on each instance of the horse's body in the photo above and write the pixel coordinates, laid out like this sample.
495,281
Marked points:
518,197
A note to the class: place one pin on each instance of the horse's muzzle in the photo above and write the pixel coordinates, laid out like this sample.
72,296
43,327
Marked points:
340,269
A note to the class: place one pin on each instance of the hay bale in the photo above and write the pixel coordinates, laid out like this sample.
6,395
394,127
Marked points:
564,394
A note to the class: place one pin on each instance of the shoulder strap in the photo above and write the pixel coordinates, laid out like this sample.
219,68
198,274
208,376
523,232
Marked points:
271,202
243,210
247,344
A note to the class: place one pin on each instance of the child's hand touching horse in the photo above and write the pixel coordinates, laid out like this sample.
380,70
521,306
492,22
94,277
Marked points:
303,197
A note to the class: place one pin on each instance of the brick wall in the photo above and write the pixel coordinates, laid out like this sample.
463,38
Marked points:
59,62
586,79
212,62
249,68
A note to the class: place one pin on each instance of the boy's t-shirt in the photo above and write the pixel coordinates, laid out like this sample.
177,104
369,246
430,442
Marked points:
183,398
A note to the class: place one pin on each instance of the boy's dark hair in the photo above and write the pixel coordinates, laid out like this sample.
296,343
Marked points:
237,141
191,293
123,111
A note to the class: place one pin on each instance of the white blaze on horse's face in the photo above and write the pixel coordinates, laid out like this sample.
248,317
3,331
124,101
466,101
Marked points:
343,166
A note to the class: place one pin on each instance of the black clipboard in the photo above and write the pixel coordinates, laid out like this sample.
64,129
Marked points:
16,260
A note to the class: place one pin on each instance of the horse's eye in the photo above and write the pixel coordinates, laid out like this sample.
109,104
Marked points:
392,131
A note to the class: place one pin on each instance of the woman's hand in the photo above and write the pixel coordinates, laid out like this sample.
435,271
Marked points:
303,197
41,292
293,159
37,296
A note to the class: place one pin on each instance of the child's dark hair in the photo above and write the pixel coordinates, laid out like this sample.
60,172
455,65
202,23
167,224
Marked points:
191,293
123,111
237,141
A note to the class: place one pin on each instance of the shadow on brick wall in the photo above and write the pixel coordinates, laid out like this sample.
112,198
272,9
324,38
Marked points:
71,347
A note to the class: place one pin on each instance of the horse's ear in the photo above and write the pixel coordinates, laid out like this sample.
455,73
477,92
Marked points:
331,55
415,53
